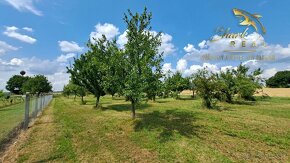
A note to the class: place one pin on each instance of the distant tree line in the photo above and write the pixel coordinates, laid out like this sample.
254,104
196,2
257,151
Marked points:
280,80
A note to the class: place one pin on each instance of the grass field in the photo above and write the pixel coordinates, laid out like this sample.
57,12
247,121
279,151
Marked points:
10,117
166,131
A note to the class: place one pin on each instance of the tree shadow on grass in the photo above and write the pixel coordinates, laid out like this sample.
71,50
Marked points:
124,107
244,102
169,122
186,98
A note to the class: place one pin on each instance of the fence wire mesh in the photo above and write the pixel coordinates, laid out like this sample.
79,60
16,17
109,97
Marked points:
16,115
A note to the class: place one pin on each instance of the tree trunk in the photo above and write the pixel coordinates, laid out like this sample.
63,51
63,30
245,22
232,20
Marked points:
229,98
82,99
97,101
133,109
193,94
154,98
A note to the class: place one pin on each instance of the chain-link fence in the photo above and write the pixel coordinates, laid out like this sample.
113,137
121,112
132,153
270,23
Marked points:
15,117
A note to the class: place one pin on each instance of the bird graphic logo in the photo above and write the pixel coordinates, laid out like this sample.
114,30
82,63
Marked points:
249,19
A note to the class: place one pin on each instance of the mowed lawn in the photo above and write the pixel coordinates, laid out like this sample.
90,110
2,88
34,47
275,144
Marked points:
10,117
165,131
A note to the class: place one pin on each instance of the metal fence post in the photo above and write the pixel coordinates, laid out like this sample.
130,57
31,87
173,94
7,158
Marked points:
26,113
40,108
36,106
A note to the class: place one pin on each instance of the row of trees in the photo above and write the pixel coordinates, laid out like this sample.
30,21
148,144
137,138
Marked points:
135,71
131,72
19,84
75,90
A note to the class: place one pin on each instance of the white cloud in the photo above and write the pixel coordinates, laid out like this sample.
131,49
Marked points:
167,67
225,68
269,73
218,47
122,39
25,5
65,57
16,61
181,65
58,80
167,47
202,44
12,62
69,47
189,48
27,29
13,33
55,71
109,30
194,68
4,48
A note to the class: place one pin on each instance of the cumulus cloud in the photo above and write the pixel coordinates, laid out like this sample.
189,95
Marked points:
25,5
13,33
202,44
194,68
167,67
181,65
111,31
189,48
16,61
167,47
269,73
12,62
222,45
280,53
65,57
107,29
28,29
122,39
69,47
4,48
55,71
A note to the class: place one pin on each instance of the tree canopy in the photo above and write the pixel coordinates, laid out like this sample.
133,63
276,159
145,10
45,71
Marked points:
15,83
280,80
141,56
37,85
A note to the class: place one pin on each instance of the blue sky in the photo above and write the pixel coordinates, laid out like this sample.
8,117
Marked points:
57,30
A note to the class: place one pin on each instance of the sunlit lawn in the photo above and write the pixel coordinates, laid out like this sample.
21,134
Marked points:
165,131
10,117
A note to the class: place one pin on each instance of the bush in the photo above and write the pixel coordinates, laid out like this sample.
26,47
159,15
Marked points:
208,87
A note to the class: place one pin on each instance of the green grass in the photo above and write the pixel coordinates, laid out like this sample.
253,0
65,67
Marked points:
11,116
165,131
